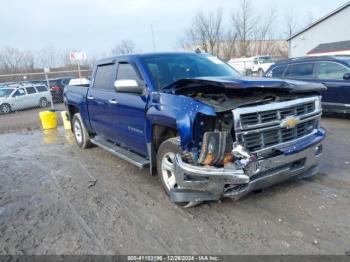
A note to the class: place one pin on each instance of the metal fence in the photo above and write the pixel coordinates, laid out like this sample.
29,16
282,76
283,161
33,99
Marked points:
24,95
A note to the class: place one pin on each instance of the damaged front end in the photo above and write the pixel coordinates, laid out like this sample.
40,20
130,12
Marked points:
248,148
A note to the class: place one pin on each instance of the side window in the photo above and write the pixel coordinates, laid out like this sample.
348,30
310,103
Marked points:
300,70
19,92
103,77
277,71
126,71
41,88
30,90
330,70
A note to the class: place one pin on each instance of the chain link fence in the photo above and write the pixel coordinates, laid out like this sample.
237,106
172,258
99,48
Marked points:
24,95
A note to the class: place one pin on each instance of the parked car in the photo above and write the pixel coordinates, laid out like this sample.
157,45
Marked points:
79,81
332,71
208,132
262,64
57,87
18,97
243,65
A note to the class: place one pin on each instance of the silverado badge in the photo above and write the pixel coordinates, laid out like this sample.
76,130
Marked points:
290,122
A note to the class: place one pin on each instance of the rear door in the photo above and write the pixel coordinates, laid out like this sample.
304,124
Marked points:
301,71
331,75
32,97
99,96
129,111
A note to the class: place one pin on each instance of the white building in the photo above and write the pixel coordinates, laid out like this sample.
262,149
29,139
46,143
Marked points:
330,29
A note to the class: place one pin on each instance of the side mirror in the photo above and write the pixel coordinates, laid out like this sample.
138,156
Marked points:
346,76
128,86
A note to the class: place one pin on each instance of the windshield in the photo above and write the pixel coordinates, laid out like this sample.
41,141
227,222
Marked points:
167,69
347,61
5,92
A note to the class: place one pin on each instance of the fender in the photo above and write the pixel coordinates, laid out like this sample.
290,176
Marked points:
175,111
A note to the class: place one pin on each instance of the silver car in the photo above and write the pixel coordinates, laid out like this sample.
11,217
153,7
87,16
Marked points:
18,97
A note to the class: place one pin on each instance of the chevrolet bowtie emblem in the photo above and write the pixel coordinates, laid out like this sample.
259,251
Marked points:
290,122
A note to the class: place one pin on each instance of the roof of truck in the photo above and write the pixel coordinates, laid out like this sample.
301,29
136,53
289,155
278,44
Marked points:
114,58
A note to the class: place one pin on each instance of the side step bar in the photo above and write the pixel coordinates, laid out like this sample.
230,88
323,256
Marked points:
122,153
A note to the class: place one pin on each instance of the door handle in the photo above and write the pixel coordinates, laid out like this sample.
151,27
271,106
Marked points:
112,101
90,97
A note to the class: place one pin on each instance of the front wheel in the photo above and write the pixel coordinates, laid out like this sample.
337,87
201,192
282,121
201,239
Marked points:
5,109
166,163
166,167
81,134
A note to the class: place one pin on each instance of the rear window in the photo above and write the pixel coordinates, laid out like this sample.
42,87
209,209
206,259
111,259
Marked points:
276,72
103,77
41,88
31,90
300,70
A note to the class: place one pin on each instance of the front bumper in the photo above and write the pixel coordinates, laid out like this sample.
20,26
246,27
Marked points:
198,183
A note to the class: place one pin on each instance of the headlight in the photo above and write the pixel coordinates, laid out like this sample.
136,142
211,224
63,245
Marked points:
318,106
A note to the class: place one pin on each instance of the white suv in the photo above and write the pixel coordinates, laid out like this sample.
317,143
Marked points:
18,97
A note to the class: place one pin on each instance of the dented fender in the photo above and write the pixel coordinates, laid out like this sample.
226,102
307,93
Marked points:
175,111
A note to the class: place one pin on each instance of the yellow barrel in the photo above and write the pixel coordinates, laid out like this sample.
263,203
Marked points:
65,119
48,119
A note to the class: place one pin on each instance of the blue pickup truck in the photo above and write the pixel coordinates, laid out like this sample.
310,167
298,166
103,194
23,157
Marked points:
192,119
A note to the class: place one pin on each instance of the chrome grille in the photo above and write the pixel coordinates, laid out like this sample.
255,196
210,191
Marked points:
278,114
258,128
259,140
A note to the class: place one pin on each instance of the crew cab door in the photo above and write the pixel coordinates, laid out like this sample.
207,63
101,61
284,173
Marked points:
331,75
129,111
19,99
98,99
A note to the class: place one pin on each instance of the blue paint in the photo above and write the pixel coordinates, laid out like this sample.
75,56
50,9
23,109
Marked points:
130,122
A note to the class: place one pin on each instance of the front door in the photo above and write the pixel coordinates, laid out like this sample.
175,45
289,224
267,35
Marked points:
129,111
19,99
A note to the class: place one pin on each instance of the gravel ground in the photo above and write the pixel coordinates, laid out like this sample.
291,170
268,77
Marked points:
49,204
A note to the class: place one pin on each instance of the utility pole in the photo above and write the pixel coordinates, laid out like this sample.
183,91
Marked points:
153,41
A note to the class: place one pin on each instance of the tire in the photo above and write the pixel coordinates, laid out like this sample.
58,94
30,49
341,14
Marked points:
80,132
43,102
168,148
165,163
5,109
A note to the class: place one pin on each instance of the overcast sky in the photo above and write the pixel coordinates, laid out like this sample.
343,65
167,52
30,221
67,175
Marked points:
96,26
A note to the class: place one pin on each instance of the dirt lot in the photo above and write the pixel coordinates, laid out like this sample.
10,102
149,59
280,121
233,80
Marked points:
49,205
24,120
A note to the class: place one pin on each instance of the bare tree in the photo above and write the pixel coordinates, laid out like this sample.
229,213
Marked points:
244,22
13,60
49,57
228,47
124,47
265,34
290,24
205,32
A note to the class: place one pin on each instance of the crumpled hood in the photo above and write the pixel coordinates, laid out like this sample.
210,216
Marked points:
291,86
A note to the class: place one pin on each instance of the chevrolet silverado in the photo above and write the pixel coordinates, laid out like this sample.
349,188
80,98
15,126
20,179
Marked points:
191,118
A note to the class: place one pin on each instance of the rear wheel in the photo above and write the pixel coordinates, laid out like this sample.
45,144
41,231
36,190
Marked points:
81,134
5,109
43,102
